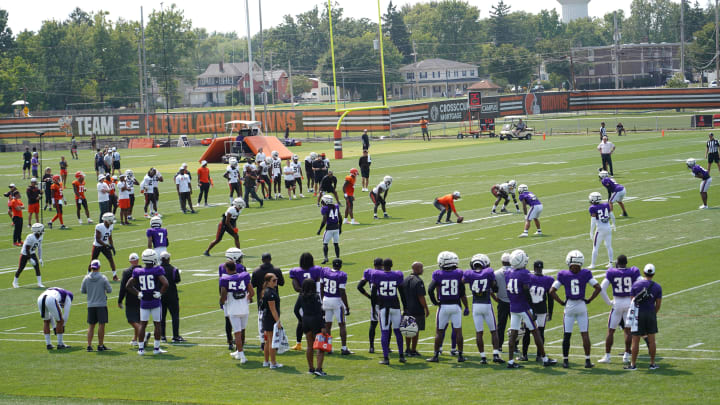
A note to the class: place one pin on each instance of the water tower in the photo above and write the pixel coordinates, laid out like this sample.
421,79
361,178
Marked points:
573,9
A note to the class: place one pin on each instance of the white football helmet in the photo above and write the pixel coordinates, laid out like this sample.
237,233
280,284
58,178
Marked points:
129,173
511,184
234,254
479,260
108,217
233,162
37,228
238,203
518,259
408,327
387,180
456,194
504,187
522,188
156,222
575,257
447,260
595,197
268,160
275,154
649,269
505,258
165,255
295,157
150,257
603,174
313,155
690,163
327,199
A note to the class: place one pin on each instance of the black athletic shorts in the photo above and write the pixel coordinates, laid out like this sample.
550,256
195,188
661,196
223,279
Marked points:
289,183
116,164
647,323
26,165
420,320
365,173
98,315
132,314
713,158
312,324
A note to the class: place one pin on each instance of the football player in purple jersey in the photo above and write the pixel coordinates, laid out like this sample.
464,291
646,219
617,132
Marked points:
149,284
332,222
385,286
54,305
703,175
157,236
307,270
621,278
481,280
374,309
646,299
536,208
542,307
233,255
518,288
575,280
450,293
236,293
616,192
335,302
602,223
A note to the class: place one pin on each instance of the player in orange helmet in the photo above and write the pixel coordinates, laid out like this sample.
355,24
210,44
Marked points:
80,200
58,200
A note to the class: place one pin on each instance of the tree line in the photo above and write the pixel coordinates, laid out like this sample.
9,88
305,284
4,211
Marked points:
91,58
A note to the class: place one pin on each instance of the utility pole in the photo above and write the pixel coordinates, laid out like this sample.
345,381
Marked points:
262,67
144,73
572,71
292,93
416,74
140,74
250,63
717,48
272,80
165,69
682,39
616,38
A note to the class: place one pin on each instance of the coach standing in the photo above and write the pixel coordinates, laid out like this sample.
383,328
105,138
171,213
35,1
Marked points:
606,149
503,301
364,163
412,292
647,297
603,131
365,140
132,303
204,181
711,152
171,300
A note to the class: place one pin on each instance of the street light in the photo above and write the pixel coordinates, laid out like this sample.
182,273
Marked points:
342,72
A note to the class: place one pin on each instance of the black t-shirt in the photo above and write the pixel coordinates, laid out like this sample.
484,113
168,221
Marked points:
131,300
47,179
27,156
33,195
412,287
328,183
172,274
320,165
364,163
250,177
311,306
258,276
269,295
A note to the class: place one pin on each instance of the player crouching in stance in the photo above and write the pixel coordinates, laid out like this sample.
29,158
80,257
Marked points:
378,195
536,208
451,291
331,217
518,288
385,285
446,204
616,192
54,305
602,223
481,280
704,175
621,279
32,244
335,302
228,224
574,280
103,242
503,191
149,283
236,294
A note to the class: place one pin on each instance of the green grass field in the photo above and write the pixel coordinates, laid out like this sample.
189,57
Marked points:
665,227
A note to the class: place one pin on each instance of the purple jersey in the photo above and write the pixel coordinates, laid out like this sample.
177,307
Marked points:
611,185
539,287
480,284
529,198
516,281
239,268
698,171
63,294
574,283
237,282
148,281
333,216
315,273
622,280
448,285
601,211
387,283
654,289
158,235
333,282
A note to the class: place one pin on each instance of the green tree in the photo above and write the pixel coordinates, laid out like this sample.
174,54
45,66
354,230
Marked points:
513,64
15,74
500,28
300,84
652,21
676,81
702,50
394,27
7,41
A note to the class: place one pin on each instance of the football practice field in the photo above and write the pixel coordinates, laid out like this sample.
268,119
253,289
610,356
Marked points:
664,227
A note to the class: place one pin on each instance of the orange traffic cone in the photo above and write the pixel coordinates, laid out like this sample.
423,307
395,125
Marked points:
543,136
663,132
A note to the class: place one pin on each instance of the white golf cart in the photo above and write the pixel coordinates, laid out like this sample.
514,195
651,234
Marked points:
508,130
240,150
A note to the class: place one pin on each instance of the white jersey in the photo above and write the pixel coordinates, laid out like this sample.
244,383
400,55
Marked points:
233,213
105,233
116,156
31,245
297,169
233,174
103,192
183,181
260,157
276,167
289,173
148,184
263,168
123,194
130,184
380,188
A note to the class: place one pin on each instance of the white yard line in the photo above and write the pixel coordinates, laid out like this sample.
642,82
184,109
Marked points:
695,345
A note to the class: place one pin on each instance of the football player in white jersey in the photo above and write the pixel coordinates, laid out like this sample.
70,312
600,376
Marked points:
148,188
31,251
232,174
289,177
264,178
103,242
228,224
602,223
276,174
378,195
297,170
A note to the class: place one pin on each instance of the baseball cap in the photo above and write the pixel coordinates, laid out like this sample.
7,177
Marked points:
203,163
95,264
184,165
649,269
33,180
266,256
133,257
12,185
538,265
165,255
322,154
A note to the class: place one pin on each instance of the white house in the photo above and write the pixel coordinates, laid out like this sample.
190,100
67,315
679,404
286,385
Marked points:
434,78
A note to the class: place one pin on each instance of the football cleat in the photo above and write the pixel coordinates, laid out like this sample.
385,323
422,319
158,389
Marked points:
159,351
549,362
461,358
402,359
565,364
15,284
297,347
40,285
206,253
384,362
654,367
514,365
90,349
276,365
371,349
433,359
504,211
630,367
49,347
522,358
483,360
523,235
62,346
346,352
388,216
141,352
497,359
318,372
604,359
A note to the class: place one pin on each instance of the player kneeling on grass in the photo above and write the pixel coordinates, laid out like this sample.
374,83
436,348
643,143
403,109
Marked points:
103,242
96,286
309,309
149,283
704,175
536,208
54,305
378,195
385,285
335,302
621,279
574,280
481,280
602,223
446,204
228,224
32,252
236,294
331,217
349,193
